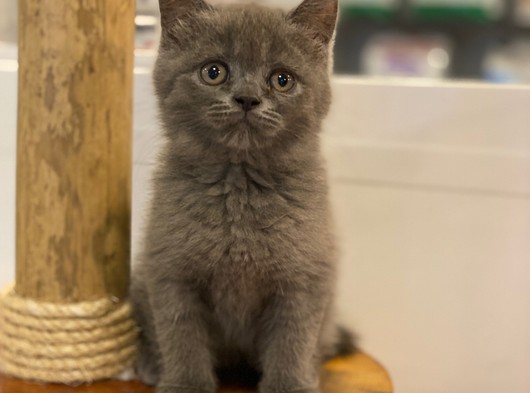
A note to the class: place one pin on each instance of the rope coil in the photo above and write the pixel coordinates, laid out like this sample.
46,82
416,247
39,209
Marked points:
65,343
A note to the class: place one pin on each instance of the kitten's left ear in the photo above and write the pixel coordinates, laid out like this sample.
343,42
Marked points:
320,16
173,10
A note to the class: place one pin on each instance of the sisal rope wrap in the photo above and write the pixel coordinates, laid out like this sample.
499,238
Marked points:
65,343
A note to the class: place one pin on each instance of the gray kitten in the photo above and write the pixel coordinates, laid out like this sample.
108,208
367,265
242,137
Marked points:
239,264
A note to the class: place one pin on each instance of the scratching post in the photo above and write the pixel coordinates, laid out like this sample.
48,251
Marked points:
66,320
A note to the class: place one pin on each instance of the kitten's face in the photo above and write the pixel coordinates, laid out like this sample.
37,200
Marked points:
241,77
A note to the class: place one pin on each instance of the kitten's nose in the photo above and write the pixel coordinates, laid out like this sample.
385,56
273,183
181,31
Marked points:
247,103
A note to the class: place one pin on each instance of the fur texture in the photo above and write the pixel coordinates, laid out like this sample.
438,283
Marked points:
239,263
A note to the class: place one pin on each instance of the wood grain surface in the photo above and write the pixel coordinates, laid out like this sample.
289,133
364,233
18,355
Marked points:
355,374
74,149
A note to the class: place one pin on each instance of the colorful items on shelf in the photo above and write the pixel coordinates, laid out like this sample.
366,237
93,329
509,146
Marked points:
425,56
508,63
370,9
458,10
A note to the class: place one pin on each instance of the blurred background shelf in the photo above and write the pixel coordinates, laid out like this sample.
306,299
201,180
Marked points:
439,39
487,39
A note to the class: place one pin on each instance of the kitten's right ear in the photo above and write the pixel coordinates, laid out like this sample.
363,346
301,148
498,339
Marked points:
172,11
319,16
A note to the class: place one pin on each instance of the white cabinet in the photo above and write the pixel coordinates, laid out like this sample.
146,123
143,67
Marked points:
431,189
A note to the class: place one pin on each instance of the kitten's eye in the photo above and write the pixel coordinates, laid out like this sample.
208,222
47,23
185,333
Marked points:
282,81
214,74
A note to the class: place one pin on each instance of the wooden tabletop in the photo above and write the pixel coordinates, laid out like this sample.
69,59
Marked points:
354,374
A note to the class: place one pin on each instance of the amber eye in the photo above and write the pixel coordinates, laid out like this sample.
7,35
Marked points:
282,81
214,74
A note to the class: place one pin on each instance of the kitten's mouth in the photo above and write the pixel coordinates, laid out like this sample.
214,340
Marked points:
247,121
252,129
241,116
259,122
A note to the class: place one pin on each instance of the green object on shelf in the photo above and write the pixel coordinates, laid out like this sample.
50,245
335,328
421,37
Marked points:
367,12
455,13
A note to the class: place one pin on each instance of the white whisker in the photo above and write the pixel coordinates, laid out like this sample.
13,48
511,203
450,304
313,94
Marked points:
271,122
273,114
220,107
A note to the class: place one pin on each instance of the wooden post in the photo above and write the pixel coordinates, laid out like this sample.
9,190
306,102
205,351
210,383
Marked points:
74,149
67,319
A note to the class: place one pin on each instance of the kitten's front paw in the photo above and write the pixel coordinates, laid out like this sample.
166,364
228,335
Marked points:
147,374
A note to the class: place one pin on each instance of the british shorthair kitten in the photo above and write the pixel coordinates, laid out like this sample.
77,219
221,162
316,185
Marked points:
238,265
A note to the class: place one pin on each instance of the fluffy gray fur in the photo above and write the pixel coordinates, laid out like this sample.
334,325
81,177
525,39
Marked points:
239,262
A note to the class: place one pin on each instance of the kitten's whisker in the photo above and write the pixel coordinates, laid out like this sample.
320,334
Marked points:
273,123
218,111
222,106
217,115
273,114
264,116
269,123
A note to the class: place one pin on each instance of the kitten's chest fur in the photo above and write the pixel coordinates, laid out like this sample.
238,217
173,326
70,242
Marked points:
254,216
244,233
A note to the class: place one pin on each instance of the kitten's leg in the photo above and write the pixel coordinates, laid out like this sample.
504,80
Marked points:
148,364
183,338
289,344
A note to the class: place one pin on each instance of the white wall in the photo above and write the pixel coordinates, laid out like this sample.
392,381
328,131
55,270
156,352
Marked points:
8,102
431,187
432,194
8,20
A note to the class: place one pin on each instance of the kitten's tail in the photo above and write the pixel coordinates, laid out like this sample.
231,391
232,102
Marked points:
346,342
